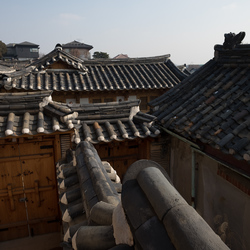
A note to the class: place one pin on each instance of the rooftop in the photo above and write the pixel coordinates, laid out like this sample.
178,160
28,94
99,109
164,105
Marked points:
211,106
74,74
33,113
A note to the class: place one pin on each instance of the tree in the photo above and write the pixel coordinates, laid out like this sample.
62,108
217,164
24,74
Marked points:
3,49
100,55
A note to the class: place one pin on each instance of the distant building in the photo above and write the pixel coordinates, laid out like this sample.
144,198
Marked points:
80,50
121,56
193,67
73,80
22,51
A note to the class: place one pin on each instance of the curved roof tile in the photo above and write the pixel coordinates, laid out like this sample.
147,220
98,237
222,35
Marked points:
211,105
95,75
35,112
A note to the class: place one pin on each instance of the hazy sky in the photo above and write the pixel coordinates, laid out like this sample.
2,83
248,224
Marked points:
187,30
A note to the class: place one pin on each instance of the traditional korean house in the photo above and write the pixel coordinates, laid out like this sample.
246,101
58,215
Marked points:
206,118
35,133
96,81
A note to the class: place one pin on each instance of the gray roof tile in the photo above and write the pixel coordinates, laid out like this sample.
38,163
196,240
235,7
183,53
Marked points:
96,75
211,105
35,112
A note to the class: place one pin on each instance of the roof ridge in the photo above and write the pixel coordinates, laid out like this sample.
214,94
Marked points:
129,60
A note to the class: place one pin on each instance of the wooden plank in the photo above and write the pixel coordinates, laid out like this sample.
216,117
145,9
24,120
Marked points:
10,233
57,148
35,156
8,159
120,158
47,219
12,205
38,201
15,224
11,210
16,191
36,166
40,185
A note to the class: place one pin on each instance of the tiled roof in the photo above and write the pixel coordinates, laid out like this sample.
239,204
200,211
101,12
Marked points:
76,44
23,43
114,121
5,70
88,191
32,113
212,104
121,56
144,212
57,55
29,114
96,75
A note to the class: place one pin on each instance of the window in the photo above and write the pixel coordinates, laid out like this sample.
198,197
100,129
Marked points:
84,100
96,100
108,100
71,101
132,97
120,98
34,50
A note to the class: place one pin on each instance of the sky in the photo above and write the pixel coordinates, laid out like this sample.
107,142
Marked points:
187,30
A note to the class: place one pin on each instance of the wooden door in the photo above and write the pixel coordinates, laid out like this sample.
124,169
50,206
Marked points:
13,217
34,167
124,157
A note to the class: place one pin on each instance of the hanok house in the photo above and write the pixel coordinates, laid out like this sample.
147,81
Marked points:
35,132
206,119
96,81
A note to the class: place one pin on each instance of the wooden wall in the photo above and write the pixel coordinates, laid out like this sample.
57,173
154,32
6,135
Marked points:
28,186
121,155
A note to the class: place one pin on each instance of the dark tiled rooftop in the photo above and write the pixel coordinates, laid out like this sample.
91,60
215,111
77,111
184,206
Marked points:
212,104
144,212
32,113
95,75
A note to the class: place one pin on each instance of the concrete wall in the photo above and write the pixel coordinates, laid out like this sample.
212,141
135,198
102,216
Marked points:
223,200
222,196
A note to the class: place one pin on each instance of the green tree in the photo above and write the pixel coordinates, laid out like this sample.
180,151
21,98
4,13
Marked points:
3,49
100,55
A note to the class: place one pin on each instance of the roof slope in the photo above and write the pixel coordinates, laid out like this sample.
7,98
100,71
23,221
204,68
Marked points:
213,104
32,113
25,43
77,45
97,75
